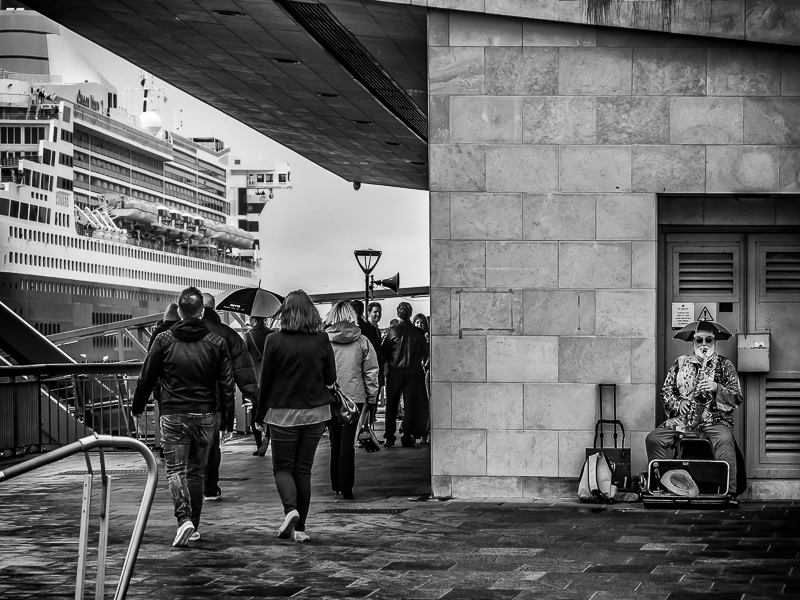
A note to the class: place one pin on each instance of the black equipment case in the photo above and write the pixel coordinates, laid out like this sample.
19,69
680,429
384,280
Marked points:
710,476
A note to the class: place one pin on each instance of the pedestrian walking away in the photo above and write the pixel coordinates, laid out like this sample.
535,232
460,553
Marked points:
357,374
254,341
405,350
194,367
244,375
297,373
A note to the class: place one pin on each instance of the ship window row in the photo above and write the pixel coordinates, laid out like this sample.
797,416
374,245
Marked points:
93,291
38,180
104,318
23,210
47,328
117,152
62,264
66,136
10,134
210,169
65,159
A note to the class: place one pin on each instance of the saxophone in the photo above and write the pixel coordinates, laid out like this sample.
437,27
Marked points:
701,399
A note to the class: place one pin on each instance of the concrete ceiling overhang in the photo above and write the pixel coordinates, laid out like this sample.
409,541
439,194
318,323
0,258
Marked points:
253,61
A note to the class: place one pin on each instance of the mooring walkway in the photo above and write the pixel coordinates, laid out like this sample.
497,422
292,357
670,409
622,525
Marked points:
392,542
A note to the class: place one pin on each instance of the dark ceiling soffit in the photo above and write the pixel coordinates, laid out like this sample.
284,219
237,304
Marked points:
329,33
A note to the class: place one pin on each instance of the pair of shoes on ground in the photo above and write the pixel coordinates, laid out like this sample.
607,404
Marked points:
213,497
184,534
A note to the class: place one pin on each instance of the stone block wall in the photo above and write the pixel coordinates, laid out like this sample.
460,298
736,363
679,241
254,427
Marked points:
549,143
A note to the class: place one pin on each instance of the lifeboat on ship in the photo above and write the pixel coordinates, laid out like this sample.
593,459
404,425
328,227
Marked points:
234,237
176,223
195,226
132,210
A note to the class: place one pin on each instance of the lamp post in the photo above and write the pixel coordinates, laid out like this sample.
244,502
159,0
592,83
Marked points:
365,260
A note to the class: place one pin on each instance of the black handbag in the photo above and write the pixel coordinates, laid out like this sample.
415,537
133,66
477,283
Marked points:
344,410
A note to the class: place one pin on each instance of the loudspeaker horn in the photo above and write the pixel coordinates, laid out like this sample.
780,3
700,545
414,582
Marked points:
393,283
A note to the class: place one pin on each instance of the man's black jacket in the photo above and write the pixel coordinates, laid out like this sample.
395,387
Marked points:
190,362
405,347
244,373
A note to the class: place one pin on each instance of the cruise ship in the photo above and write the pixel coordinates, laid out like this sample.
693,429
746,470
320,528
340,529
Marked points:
106,216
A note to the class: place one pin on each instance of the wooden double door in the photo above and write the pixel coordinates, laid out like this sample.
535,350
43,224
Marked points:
752,283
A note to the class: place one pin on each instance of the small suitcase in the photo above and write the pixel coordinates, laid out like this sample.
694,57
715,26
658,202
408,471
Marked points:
710,476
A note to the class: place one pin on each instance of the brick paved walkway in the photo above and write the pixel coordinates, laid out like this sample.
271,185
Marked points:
414,549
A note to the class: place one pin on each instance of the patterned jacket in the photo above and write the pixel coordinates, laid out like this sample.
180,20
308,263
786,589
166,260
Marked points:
681,384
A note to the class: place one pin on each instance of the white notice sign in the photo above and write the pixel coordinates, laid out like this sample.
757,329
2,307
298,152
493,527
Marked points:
682,314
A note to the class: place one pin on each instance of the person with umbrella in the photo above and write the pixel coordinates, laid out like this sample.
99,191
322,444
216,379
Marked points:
700,393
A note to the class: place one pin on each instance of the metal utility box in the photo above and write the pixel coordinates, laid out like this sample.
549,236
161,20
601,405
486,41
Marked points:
753,353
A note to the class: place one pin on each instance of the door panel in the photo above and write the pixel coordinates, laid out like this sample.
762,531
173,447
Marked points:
774,307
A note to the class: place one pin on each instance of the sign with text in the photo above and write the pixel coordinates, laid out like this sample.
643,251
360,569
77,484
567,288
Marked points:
682,314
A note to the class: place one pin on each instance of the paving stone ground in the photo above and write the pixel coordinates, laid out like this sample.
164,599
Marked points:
414,549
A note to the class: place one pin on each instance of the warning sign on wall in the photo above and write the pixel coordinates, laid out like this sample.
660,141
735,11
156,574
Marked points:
682,314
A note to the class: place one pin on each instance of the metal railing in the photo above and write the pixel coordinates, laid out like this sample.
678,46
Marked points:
85,445
45,406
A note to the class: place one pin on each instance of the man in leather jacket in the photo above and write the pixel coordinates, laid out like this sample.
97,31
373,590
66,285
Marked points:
244,374
405,350
193,366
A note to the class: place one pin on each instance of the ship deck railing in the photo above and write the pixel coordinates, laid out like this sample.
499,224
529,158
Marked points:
199,253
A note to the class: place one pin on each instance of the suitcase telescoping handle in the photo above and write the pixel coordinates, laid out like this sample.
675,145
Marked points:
598,431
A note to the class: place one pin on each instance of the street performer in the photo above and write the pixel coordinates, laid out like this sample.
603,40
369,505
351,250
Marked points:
700,393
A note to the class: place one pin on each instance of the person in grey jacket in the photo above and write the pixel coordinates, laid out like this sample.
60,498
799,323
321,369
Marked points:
357,374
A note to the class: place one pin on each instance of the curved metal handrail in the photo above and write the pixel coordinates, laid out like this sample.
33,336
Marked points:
105,441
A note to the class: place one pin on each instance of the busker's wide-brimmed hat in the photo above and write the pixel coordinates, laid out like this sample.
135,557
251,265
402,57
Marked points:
679,482
687,333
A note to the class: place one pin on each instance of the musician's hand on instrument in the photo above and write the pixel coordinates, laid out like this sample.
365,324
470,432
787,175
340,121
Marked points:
684,407
708,385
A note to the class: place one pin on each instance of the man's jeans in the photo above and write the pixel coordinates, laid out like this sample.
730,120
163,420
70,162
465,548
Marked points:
660,443
186,439
211,486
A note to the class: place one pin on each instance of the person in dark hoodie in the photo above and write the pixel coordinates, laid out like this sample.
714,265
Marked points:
244,374
171,317
357,374
190,362
254,341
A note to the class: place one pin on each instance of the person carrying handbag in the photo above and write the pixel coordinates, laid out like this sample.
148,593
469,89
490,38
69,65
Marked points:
357,374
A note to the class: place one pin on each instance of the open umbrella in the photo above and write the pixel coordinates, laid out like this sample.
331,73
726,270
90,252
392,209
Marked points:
718,330
253,301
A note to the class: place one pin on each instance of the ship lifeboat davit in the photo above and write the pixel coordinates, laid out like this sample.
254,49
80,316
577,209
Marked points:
136,211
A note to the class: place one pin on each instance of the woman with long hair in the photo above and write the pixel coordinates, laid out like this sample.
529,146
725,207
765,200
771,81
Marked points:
357,373
298,369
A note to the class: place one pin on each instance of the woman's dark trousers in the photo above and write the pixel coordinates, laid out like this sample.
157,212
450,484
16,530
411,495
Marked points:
343,456
293,450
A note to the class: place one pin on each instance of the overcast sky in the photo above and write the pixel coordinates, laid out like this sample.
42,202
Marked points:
307,234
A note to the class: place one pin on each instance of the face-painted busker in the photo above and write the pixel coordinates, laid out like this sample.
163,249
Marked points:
700,393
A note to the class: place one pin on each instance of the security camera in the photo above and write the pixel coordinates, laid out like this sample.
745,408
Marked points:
356,185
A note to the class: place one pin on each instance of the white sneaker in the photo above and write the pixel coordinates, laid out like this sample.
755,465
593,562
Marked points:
182,536
194,537
300,536
287,529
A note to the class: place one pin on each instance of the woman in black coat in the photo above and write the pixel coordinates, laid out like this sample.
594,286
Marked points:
297,371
